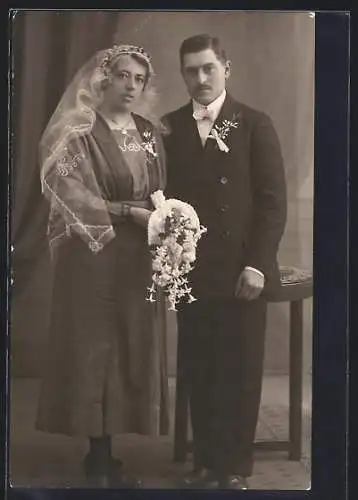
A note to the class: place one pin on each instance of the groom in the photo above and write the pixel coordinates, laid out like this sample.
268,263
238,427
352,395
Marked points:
224,158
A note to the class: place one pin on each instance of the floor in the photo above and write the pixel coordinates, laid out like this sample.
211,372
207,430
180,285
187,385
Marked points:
42,461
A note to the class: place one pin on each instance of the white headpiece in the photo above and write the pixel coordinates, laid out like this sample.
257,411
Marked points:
119,50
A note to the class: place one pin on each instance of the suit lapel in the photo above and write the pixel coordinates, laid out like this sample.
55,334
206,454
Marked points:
189,130
207,159
228,112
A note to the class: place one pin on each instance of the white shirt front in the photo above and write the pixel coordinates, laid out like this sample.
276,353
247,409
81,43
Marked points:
213,109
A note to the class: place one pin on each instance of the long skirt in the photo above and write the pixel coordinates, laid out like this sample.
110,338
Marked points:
106,370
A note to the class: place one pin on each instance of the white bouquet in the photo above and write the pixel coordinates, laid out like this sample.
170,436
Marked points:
174,230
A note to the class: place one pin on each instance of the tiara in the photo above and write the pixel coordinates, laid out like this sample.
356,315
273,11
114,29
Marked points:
118,50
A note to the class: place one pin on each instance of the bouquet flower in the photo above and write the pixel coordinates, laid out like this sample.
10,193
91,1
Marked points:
174,230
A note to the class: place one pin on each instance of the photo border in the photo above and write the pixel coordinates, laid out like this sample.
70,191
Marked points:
330,301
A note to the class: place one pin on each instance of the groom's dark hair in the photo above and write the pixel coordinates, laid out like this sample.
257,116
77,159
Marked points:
197,43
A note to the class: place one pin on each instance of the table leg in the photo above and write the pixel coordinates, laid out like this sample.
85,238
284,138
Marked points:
296,358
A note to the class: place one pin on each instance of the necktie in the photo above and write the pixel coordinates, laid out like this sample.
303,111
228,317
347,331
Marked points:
203,114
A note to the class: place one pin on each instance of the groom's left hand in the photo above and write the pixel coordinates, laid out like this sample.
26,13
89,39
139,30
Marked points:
249,285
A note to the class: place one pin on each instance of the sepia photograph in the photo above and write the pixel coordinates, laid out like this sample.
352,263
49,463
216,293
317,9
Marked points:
161,304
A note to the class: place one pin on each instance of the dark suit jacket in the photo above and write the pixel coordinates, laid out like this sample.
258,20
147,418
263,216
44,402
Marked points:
240,196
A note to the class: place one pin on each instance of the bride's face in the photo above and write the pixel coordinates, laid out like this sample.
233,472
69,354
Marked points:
126,85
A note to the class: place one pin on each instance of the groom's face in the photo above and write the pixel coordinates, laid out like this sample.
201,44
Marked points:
205,75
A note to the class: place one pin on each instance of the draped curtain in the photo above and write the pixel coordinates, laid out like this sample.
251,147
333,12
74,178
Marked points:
48,47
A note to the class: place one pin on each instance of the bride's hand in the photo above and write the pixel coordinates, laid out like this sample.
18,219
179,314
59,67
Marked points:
116,208
140,216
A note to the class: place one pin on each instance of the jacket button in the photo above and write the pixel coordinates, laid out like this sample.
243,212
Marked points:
223,180
223,208
226,233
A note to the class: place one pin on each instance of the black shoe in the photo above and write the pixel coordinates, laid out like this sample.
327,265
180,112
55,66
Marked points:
117,479
96,477
233,482
201,479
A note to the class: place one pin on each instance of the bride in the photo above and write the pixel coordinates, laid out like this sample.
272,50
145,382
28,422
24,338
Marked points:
100,162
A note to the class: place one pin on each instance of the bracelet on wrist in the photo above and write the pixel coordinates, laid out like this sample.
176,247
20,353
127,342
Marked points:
125,210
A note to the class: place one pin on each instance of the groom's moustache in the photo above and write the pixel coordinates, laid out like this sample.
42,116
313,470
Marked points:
203,87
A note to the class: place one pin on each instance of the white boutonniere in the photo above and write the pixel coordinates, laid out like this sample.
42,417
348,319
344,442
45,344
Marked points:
220,132
148,143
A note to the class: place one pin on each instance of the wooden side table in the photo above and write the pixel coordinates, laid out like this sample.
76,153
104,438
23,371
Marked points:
296,285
